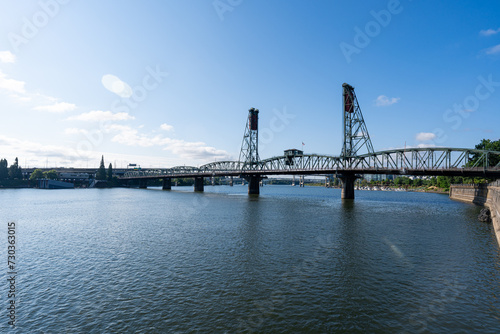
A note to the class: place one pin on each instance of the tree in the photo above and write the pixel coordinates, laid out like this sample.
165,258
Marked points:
417,182
51,175
443,182
110,172
101,172
489,145
37,174
4,171
15,172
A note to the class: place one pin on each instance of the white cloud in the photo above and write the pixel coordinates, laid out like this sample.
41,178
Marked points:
166,127
74,131
489,32
25,148
425,136
11,85
126,135
425,145
493,50
99,115
7,57
383,101
116,85
59,107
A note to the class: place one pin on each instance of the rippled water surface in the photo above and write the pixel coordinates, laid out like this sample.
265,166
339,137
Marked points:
293,260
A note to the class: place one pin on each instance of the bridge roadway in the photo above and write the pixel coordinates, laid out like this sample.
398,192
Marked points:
415,161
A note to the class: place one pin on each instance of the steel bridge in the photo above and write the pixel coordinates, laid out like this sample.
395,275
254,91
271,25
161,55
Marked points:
348,166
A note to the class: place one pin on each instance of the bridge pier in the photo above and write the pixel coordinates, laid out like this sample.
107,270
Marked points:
198,184
143,184
167,184
231,181
253,184
348,180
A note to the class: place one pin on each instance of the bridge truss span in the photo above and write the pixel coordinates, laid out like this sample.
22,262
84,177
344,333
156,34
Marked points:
413,161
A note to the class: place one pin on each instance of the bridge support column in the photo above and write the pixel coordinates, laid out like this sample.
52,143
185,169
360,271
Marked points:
348,186
143,184
253,184
198,184
167,184
231,181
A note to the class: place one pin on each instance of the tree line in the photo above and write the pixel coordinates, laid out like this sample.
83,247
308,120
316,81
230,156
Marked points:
13,172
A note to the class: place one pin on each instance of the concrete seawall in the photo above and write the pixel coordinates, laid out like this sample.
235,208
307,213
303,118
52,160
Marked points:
481,194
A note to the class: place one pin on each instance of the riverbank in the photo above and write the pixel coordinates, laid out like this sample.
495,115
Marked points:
481,194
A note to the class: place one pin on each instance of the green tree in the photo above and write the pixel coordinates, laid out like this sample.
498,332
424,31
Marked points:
15,172
4,170
416,182
443,182
489,145
398,181
110,172
37,174
51,175
101,172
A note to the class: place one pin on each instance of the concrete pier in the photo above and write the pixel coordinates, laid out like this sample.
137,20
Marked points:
253,184
143,184
348,180
198,184
167,184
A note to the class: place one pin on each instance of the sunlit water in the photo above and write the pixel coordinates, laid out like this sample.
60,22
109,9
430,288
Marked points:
293,260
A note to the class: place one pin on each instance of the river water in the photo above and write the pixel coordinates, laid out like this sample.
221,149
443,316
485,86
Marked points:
293,260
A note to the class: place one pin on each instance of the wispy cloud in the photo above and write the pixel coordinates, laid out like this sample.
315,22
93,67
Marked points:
11,85
129,136
74,131
59,107
166,127
383,101
7,57
25,147
425,136
116,85
493,50
489,32
99,115
423,145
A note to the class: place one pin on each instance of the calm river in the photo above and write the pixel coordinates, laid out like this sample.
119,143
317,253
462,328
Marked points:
294,260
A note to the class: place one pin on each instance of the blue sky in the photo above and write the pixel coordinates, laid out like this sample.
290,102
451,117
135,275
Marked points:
166,83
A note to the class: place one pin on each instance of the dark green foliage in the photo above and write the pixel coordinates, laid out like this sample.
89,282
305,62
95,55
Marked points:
4,170
488,145
110,172
15,172
37,174
51,175
101,172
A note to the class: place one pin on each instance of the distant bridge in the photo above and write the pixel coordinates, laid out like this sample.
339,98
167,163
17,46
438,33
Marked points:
348,166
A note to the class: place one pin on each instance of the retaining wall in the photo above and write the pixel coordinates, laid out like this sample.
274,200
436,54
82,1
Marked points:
481,194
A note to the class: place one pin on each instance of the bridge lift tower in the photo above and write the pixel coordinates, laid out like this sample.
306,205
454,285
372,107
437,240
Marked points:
356,137
249,154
